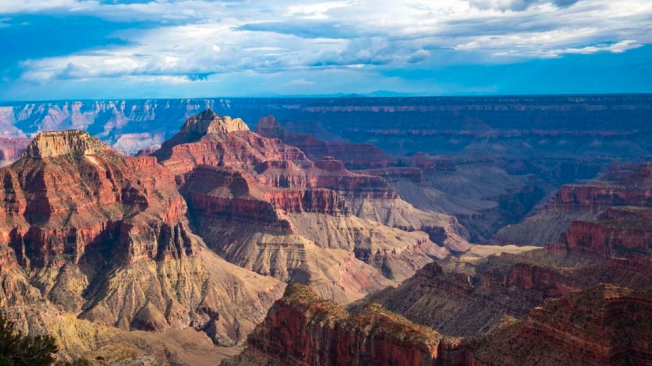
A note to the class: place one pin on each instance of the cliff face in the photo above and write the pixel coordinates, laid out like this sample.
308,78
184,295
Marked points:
605,325
596,216
482,196
302,329
69,190
82,221
472,296
618,232
505,125
265,206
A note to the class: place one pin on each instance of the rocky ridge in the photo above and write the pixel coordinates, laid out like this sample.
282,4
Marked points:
265,206
603,325
474,189
81,221
607,203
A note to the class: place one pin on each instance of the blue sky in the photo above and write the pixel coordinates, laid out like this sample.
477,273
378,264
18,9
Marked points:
74,49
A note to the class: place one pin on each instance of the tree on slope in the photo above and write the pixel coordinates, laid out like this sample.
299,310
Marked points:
17,349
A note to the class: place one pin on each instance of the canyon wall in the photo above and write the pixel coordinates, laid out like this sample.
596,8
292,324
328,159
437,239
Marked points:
574,124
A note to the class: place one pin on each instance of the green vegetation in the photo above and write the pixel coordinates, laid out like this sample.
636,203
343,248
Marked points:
17,349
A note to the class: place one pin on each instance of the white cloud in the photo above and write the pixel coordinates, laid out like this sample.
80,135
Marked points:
619,47
299,82
196,38
28,6
419,56
314,11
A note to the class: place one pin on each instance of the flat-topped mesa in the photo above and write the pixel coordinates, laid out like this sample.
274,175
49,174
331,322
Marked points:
71,142
208,122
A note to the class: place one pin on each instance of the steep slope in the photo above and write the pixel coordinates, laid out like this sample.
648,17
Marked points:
265,206
81,222
482,196
302,329
471,296
95,344
620,186
602,325
605,325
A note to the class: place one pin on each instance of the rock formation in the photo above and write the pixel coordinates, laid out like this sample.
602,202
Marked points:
302,329
482,196
81,222
610,205
603,325
265,206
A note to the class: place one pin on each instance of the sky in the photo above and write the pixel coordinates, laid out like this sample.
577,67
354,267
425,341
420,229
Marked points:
103,49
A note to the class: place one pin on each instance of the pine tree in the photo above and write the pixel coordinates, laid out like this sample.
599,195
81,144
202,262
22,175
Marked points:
17,349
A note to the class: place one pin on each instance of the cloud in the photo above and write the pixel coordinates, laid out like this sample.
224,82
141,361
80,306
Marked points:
314,11
619,47
419,56
303,29
299,82
32,6
518,5
204,40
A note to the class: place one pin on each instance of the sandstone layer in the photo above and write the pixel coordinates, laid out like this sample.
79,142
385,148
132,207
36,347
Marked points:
265,206
105,237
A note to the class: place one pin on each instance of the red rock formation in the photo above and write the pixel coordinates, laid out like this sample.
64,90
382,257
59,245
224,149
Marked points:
581,209
70,190
87,221
256,197
302,329
220,141
224,192
618,232
605,325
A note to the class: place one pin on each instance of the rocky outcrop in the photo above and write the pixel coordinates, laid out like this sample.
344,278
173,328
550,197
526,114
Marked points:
72,142
469,296
618,232
265,206
70,191
582,209
302,329
81,222
605,325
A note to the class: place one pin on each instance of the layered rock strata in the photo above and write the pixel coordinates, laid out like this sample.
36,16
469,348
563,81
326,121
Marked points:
82,221
265,206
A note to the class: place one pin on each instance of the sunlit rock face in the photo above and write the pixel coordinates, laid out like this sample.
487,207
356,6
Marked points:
82,221
265,206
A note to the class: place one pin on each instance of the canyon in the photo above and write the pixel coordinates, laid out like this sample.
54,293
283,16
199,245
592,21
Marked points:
416,231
